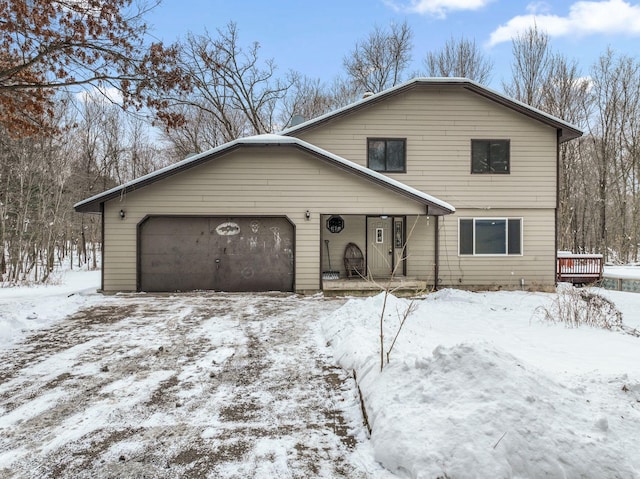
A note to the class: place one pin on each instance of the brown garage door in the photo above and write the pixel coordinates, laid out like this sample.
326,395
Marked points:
216,253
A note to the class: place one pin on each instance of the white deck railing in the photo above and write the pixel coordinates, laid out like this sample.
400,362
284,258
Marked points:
579,268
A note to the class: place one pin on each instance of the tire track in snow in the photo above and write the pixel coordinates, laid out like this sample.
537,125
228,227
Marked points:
197,385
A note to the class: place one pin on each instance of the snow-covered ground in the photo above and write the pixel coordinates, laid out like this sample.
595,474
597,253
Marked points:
24,309
477,386
193,385
624,271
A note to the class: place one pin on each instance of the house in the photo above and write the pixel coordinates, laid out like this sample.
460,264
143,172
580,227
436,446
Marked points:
438,180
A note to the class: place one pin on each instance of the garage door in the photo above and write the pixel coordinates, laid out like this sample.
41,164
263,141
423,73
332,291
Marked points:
216,253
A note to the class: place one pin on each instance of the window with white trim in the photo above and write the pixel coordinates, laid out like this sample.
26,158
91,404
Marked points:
490,236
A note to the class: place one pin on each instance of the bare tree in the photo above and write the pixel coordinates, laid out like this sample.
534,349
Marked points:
50,45
199,131
553,83
307,99
459,58
344,92
613,131
142,155
230,84
564,93
379,62
33,174
530,67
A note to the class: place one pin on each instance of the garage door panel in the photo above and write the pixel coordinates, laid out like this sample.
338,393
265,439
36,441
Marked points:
179,245
168,264
188,226
219,253
255,273
157,282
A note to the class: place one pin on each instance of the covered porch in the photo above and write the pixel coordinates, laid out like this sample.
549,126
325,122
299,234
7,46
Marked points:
361,254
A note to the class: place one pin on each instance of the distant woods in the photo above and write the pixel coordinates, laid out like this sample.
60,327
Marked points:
68,70
599,174
85,109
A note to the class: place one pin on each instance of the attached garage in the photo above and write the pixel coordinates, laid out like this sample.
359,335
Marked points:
185,253
246,216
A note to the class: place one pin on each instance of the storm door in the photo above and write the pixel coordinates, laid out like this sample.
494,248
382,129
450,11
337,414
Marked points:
379,246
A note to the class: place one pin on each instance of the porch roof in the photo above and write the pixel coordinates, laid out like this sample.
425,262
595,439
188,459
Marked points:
434,205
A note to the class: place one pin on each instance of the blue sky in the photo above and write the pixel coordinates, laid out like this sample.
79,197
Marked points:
313,38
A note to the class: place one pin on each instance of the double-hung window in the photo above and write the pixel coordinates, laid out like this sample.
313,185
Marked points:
490,156
387,154
490,236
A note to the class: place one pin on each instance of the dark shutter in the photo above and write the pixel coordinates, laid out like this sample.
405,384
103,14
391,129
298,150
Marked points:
466,237
515,239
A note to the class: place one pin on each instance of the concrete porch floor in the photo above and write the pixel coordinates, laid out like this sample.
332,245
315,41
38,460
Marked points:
400,286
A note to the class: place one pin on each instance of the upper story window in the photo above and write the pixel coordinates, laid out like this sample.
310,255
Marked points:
387,154
490,236
490,156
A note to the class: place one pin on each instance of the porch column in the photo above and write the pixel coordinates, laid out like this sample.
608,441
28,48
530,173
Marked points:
436,267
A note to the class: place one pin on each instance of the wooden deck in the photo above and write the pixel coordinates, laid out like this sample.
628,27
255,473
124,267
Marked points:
579,268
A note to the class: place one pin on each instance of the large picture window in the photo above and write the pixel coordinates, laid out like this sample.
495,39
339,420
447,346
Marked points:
490,156
387,154
490,236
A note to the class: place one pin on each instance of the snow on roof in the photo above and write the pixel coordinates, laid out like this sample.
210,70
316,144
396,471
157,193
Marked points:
283,139
265,139
569,254
375,174
477,87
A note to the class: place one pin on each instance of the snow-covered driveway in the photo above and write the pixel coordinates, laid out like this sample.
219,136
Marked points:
201,385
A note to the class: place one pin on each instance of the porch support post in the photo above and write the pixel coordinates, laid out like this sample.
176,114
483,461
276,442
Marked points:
436,266
101,246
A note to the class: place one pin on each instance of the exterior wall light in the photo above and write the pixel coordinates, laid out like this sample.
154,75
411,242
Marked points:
122,214
307,215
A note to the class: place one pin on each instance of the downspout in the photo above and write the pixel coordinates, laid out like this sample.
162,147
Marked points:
555,230
436,266
102,239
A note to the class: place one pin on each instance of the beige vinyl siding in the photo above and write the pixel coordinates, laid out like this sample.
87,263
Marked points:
536,265
420,247
273,181
439,124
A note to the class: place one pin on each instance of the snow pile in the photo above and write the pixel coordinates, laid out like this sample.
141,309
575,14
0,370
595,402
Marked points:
627,303
24,309
476,387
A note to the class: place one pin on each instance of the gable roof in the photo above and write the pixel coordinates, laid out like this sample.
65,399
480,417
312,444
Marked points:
434,205
566,130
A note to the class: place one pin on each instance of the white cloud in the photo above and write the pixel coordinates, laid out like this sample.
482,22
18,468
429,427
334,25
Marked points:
438,8
584,18
96,94
538,8
587,81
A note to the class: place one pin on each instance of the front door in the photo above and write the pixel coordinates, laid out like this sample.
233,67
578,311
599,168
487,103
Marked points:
379,246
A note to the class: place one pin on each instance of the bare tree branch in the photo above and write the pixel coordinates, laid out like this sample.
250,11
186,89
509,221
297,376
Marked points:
379,62
48,45
459,58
